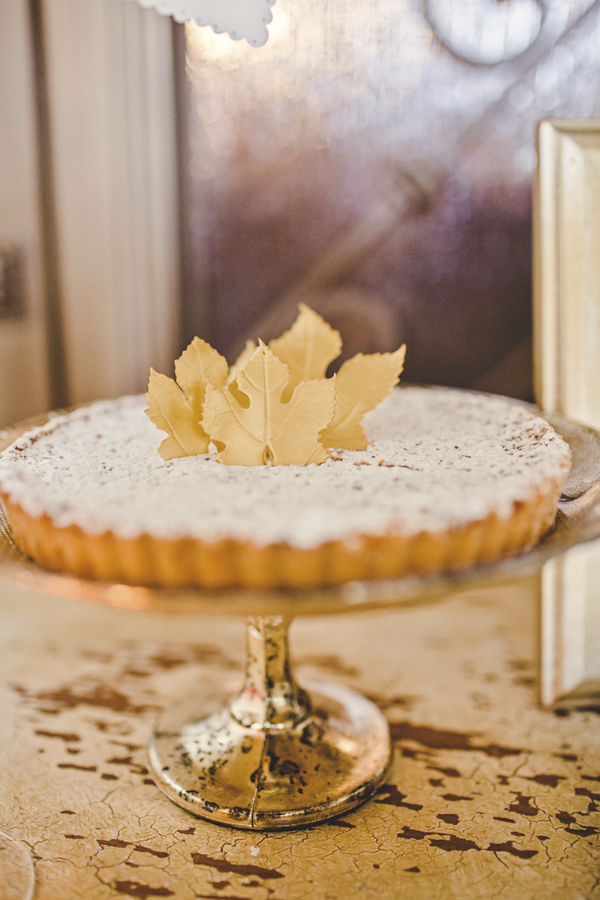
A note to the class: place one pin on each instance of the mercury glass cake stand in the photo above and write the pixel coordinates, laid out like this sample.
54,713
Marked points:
277,755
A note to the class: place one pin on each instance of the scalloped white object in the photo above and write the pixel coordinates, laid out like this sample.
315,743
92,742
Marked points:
239,18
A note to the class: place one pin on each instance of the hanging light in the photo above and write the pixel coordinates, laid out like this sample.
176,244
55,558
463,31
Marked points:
239,18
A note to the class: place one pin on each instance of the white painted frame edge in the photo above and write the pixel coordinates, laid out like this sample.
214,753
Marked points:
566,219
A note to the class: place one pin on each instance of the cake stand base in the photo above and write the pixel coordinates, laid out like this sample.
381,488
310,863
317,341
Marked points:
276,756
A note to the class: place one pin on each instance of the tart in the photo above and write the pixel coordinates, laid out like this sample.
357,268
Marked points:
449,479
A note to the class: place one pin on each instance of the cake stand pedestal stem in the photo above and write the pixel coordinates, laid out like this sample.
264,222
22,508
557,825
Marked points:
270,698
276,755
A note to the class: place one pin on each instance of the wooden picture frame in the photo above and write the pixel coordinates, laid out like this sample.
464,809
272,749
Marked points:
567,381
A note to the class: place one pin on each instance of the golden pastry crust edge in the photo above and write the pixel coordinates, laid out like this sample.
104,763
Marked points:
190,562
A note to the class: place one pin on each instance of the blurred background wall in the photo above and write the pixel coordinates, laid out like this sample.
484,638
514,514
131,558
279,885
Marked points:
374,159
24,375
88,201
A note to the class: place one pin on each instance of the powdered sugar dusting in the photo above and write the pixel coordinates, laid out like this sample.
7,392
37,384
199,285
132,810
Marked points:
439,458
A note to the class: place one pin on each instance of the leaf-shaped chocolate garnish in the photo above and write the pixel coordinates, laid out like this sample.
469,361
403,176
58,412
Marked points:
267,429
169,411
241,361
362,383
177,407
307,348
199,364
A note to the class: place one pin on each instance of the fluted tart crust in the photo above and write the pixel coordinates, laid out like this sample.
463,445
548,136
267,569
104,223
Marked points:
451,479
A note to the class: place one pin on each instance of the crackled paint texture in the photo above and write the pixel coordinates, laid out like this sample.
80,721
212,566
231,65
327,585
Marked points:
488,793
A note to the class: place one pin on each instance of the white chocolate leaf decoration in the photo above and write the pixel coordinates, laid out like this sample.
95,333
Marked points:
199,364
268,430
242,359
176,407
274,405
362,383
168,410
307,348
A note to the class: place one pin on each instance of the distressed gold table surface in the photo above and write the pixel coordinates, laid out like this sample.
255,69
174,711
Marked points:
489,795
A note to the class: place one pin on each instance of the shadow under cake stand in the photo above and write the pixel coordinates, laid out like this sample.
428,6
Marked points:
278,755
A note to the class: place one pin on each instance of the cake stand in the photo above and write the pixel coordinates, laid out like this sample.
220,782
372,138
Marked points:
276,754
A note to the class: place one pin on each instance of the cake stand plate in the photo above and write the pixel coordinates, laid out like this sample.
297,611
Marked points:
278,755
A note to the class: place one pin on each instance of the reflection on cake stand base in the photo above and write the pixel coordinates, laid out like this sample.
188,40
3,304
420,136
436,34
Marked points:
276,755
